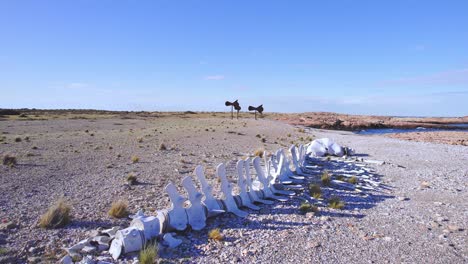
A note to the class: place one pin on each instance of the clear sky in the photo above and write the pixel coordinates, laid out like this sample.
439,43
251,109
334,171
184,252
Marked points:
361,57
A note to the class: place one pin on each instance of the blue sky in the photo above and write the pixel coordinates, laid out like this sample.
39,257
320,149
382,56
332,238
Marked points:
359,57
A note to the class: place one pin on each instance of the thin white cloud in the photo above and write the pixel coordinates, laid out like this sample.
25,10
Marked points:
214,77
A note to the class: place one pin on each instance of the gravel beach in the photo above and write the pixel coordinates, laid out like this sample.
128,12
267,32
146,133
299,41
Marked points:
417,214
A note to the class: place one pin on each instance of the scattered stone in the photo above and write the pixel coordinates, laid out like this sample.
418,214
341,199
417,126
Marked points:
66,260
7,225
34,260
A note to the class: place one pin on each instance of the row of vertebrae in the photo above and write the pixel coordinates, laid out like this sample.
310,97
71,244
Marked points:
272,183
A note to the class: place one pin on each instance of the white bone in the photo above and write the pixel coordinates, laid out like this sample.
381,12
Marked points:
226,188
296,159
149,225
213,205
268,193
196,212
242,183
254,186
139,214
127,240
177,214
287,172
271,179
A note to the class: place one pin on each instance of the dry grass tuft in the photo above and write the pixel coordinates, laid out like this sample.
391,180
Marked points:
162,147
119,209
18,139
57,216
306,207
9,160
315,191
336,203
259,136
148,254
215,234
132,179
326,178
140,140
259,152
135,159
353,180
301,130
263,140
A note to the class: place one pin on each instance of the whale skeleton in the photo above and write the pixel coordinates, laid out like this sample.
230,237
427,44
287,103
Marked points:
274,181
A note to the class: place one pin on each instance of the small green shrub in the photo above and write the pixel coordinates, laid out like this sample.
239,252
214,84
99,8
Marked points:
215,234
315,191
336,203
132,179
306,207
10,161
148,254
119,209
135,159
326,178
57,216
259,152
353,180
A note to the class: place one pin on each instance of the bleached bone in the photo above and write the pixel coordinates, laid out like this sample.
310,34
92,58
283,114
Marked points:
272,181
171,241
295,159
267,191
254,192
213,205
139,214
149,225
282,175
242,183
226,188
287,170
196,212
177,214
127,240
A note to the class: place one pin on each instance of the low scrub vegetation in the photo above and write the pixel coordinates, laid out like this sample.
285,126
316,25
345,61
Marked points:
315,191
162,147
57,216
259,152
336,203
132,179
119,209
326,178
148,254
215,234
135,159
353,180
9,160
307,207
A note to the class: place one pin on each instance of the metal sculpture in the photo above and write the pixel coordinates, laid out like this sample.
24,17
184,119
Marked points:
234,105
257,109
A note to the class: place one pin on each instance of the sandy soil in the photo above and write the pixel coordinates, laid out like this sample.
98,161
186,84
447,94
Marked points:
446,137
87,160
326,120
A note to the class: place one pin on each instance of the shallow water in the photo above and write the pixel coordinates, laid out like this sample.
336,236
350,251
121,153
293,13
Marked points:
458,127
